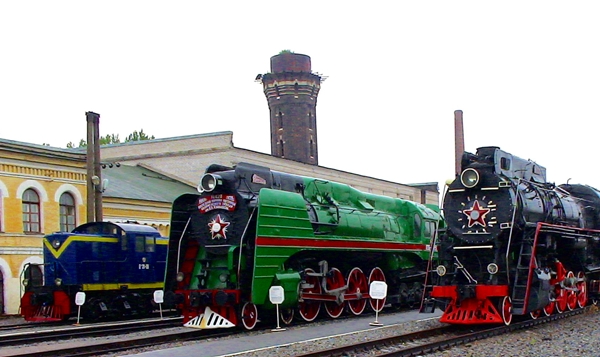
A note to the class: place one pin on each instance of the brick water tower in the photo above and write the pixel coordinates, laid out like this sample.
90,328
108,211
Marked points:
291,90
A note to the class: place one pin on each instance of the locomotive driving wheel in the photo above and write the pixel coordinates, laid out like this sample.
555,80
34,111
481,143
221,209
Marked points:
357,284
549,309
535,314
249,315
561,300
582,297
376,275
506,310
287,315
571,294
309,309
335,280
414,298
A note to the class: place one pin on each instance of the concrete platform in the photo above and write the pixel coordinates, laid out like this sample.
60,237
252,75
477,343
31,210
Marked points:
290,335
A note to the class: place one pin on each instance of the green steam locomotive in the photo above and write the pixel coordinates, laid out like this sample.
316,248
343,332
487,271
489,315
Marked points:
249,229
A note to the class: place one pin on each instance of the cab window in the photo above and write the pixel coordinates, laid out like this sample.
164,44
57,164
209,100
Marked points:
150,245
144,244
417,226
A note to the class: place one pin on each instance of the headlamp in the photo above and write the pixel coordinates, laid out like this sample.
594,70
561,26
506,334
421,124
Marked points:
209,182
469,178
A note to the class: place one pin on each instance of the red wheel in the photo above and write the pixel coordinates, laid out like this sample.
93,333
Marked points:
309,309
376,275
535,314
561,300
249,315
357,284
287,315
506,310
334,280
582,297
549,309
571,294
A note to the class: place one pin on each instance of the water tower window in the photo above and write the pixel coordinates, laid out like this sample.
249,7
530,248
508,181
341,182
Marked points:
280,120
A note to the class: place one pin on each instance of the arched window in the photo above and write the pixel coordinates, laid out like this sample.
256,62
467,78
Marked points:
31,211
67,212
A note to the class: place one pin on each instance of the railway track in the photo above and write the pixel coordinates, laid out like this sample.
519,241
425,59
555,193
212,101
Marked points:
28,334
428,341
411,344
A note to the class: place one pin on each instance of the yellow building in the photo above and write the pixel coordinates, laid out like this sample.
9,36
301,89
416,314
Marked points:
43,190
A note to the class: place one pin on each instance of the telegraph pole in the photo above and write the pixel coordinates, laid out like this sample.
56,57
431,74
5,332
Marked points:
94,175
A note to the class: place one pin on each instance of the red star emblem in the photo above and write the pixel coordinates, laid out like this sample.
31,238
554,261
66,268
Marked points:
476,214
218,228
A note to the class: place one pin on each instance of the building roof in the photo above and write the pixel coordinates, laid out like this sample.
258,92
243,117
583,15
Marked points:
135,182
45,151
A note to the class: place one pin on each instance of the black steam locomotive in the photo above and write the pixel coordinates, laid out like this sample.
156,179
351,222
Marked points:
515,245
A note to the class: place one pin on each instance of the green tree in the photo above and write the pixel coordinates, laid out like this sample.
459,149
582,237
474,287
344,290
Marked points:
114,139
138,136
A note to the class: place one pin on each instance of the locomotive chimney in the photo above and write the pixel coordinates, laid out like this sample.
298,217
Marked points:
459,139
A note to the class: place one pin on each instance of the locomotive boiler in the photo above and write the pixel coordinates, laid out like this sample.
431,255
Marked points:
515,243
117,265
249,229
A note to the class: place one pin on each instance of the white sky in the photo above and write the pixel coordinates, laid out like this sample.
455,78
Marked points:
525,73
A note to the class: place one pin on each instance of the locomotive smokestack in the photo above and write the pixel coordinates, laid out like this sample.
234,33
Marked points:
459,139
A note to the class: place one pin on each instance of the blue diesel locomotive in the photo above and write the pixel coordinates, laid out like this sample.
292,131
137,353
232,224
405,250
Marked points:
117,265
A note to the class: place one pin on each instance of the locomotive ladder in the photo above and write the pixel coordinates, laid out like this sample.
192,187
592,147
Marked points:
428,304
523,273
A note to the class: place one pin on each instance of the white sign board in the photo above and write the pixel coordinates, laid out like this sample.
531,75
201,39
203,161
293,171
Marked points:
378,290
276,294
80,298
159,296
